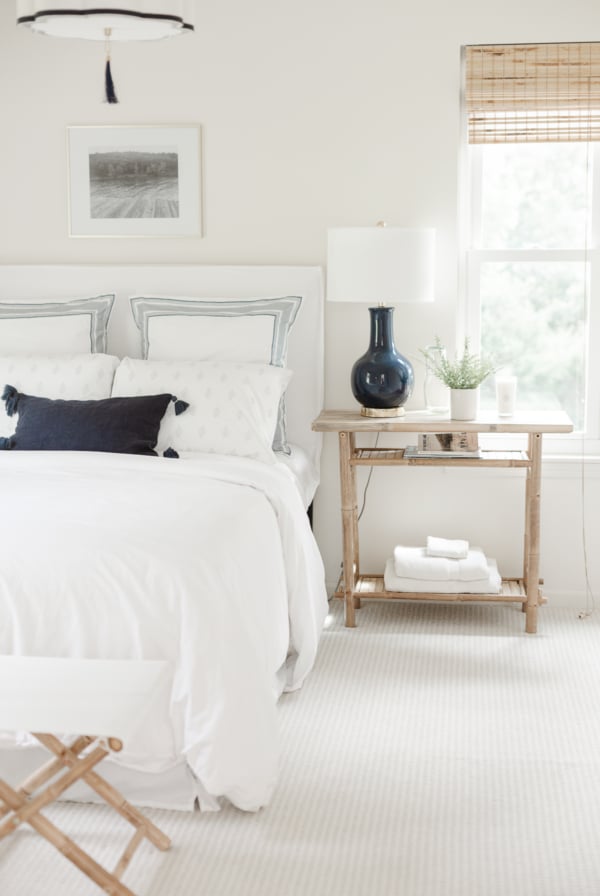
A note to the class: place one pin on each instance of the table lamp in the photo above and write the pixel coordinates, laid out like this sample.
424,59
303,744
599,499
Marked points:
386,265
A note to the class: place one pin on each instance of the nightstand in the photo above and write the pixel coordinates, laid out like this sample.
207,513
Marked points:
355,585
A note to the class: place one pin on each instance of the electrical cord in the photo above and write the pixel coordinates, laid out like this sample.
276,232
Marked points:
590,598
367,483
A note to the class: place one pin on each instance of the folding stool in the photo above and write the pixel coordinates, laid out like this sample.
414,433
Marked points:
106,697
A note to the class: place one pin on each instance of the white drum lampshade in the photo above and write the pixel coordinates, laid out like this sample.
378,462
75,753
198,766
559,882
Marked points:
380,265
124,19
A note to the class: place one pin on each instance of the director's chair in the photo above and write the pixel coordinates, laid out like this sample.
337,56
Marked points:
107,697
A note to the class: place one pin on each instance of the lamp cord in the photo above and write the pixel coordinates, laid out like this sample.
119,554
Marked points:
590,599
367,483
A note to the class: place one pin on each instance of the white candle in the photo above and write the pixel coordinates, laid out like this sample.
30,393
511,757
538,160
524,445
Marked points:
506,394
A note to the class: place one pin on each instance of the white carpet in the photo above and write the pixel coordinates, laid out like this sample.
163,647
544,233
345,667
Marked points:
436,750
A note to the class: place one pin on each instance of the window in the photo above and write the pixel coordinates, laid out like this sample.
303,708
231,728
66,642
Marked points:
532,261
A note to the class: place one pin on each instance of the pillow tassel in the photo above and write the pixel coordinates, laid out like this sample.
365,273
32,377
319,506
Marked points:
5,444
11,397
170,452
180,405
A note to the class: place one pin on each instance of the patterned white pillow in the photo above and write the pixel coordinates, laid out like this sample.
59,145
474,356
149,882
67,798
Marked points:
232,406
73,376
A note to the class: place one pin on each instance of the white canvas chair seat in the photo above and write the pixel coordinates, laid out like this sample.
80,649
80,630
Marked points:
106,699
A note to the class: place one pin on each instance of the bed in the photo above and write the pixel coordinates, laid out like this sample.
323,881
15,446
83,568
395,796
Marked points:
201,554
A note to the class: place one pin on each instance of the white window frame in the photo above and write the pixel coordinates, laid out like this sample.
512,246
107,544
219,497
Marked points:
582,442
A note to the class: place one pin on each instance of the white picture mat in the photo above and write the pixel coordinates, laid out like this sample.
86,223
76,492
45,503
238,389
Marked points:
304,396
185,139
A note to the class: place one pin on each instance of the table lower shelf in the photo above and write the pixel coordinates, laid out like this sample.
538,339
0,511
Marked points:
372,587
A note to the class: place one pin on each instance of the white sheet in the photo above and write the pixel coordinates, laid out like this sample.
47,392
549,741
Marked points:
117,556
299,463
305,472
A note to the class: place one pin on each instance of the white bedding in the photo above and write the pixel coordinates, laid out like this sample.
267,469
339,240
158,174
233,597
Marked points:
305,472
117,556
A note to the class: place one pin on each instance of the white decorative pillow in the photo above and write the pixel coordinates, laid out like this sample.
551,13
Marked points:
55,327
232,406
73,376
246,330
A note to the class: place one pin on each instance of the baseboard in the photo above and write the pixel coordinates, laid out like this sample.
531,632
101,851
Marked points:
574,600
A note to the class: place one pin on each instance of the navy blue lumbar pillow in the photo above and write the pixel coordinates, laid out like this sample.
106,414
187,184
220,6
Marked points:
127,425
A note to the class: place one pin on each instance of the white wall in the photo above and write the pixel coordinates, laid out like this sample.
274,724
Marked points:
315,114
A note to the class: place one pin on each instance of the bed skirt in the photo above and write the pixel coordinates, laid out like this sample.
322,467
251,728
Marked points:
174,788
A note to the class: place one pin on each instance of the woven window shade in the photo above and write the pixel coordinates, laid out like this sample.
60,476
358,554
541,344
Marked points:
532,93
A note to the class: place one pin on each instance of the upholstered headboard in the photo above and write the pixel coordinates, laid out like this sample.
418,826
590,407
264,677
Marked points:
305,350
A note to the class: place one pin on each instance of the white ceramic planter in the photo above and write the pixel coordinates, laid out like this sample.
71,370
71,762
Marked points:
464,404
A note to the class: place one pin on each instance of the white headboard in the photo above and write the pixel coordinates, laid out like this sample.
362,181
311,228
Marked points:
305,351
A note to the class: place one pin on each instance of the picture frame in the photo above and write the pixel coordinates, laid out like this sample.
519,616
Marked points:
134,180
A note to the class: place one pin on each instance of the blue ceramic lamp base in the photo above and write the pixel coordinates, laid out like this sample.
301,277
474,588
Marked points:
382,379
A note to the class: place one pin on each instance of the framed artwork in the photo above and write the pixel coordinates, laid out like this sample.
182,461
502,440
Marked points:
135,181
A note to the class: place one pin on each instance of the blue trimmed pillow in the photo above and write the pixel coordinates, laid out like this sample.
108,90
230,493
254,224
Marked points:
128,425
236,330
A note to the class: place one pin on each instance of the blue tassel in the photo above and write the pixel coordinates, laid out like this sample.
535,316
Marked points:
170,452
111,96
11,397
180,406
5,444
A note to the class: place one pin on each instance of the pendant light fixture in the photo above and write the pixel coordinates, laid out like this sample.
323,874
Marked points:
113,20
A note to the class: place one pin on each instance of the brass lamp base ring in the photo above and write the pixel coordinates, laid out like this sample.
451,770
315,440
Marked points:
382,412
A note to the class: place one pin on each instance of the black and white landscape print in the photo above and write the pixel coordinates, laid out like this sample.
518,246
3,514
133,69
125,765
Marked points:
134,183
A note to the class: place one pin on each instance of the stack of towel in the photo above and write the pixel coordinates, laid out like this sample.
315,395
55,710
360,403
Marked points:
445,565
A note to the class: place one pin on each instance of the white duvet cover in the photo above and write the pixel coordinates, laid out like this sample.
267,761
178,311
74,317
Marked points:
207,562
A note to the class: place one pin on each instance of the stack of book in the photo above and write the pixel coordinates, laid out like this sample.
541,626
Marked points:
445,444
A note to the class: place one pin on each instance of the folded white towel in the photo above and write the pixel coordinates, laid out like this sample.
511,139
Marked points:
492,584
415,563
453,548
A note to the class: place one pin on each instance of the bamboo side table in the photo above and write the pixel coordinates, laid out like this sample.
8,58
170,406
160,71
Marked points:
355,586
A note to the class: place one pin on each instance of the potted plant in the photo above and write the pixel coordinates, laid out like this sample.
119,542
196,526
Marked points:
463,376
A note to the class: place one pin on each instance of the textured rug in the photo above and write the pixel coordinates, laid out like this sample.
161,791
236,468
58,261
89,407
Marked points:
436,750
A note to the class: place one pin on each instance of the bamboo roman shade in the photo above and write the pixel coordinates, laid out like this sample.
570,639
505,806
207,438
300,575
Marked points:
530,93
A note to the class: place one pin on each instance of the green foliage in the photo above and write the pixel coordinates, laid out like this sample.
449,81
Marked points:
466,372
533,315
535,196
534,312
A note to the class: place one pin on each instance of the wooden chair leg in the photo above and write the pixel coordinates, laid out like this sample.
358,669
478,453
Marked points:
46,771
99,875
108,793
31,806
25,805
